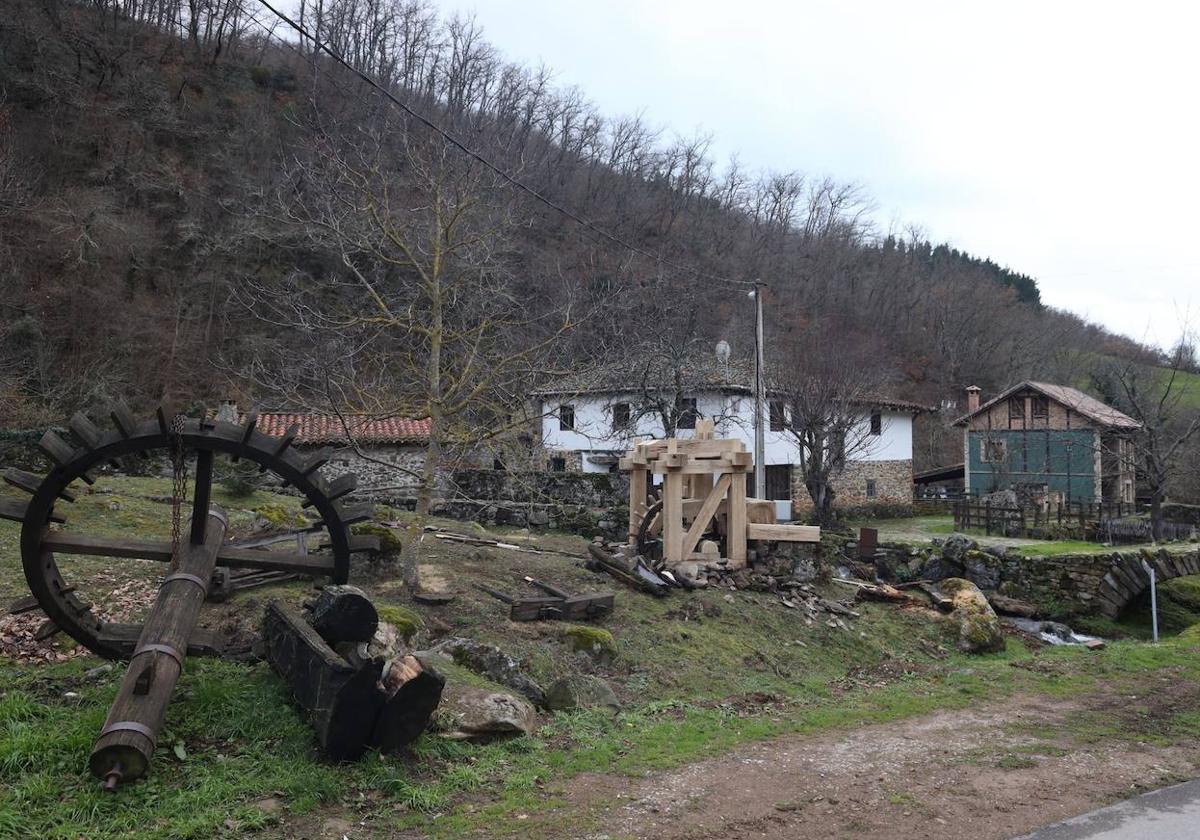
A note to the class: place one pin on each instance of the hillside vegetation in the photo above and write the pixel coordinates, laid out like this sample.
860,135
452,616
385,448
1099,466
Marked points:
167,183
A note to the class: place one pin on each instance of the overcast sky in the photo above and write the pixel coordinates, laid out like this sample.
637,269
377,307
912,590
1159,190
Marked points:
1058,138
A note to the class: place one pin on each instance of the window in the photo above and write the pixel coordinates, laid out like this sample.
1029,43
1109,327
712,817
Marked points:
620,416
1040,408
685,413
777,415
1016,409
566,418
779,481
876,423
993,451
558,464
870,488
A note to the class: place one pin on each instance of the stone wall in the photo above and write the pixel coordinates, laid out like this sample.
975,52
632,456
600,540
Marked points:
893,488
586,503
393,483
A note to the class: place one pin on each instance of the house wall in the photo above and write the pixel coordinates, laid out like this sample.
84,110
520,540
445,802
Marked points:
1064,460
885,459
372,474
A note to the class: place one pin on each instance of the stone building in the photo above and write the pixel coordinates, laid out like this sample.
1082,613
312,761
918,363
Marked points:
387,452
587,423
1048,443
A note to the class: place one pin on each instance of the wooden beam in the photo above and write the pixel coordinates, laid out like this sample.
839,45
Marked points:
637,500
783,533
715,496
736,538
672,517
61,542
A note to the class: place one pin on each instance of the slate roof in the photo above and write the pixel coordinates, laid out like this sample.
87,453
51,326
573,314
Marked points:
703,374
1072,398
328,428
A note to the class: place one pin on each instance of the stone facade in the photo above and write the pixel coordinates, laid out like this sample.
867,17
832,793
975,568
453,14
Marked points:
862,486
572,460
399,483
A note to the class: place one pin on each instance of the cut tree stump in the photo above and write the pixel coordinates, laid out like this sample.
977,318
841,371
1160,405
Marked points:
343,614
413,693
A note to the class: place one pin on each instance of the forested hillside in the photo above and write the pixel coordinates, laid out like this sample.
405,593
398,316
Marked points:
191,209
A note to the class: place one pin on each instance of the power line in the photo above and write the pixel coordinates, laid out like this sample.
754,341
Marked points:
504,174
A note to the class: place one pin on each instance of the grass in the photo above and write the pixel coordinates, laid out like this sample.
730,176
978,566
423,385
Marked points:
697,673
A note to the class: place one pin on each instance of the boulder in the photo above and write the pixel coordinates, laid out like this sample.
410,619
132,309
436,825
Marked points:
982,569
956,546
471,713
581,691
979,629
493,663
592,643
939,568
1005,605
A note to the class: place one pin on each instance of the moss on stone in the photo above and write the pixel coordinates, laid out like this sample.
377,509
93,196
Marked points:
406,622
980,633
591,640
279,516
390,541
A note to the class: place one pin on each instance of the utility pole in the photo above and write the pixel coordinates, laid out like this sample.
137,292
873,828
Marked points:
760,388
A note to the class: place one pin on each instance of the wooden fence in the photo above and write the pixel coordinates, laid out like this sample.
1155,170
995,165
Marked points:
1107,522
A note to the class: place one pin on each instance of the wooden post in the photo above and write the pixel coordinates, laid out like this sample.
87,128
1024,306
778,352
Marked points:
737,518
123,750
637,499
672,516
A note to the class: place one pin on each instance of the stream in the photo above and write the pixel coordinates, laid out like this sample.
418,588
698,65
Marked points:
1050,631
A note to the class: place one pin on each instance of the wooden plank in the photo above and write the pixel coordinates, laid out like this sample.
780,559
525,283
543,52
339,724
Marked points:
637,501
30,482
61,542
783,533
705,515
122,418
85,430
201,493
736,538
14,511
672,517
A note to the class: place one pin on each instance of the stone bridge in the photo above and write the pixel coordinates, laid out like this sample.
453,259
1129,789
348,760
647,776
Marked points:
1102,584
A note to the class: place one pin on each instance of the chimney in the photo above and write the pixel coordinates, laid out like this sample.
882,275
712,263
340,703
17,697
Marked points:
973,392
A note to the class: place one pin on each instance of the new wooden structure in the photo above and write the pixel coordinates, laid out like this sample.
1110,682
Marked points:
703,491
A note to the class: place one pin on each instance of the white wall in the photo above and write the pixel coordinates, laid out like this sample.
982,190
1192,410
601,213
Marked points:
734,415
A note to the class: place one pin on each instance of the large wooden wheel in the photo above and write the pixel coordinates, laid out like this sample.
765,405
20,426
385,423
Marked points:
202,440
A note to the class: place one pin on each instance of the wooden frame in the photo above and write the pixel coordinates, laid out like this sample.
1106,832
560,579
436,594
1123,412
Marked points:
704,481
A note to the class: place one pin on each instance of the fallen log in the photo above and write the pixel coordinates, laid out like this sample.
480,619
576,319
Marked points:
882,592
1012,606
343,614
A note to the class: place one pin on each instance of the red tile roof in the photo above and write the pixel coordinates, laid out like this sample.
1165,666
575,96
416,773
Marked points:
329,428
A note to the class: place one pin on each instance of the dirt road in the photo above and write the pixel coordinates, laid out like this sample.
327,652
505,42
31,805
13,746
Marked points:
991,772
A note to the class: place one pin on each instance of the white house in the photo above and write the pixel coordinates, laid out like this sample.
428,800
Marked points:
587,425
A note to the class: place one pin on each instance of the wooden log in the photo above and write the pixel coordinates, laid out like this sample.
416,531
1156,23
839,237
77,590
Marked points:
672,518
127,741
642,579
413,691
637,500
340,701
343,614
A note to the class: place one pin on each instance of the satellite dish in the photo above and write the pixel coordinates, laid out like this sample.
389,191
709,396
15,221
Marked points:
723,351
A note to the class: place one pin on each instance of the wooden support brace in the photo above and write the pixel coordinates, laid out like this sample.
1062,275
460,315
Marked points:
705,515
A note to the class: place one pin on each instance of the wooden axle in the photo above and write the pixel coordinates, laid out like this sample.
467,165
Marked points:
127,741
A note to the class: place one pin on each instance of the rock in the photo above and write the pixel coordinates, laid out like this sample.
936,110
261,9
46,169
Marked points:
939,568
956,546
981,568
1055,628
596,644
581,691
1005,605
472,713
539,518
978,629
99,671
492,663
1094,644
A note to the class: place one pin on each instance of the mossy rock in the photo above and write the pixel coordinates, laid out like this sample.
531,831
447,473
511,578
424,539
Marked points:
279,516
406,622
980,633
390,542
597,643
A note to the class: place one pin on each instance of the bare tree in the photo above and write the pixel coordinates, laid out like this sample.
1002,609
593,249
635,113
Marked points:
1163,400
420,316
828,386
